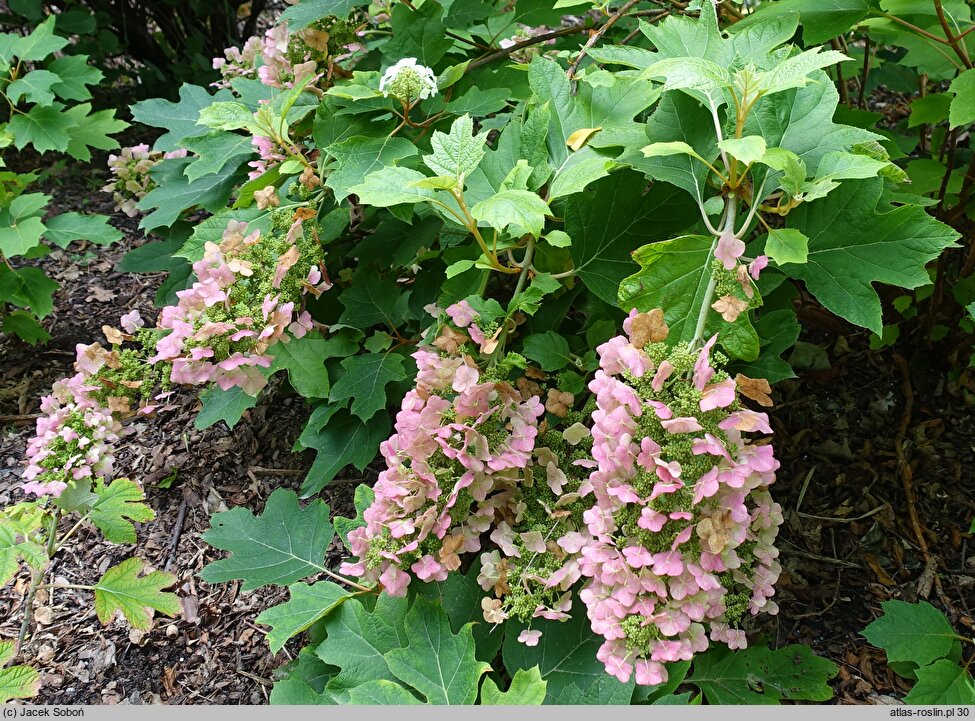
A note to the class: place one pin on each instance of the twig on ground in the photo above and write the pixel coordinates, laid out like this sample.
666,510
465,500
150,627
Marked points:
175,536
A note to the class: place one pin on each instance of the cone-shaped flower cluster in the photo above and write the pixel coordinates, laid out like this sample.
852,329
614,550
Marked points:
460,444
225,322
680,539
244,300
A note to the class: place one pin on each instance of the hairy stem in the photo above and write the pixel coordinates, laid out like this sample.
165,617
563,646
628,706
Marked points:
731,208
35,579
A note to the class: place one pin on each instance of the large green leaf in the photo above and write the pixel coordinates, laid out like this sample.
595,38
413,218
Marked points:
64,228
365,380
821,19
566,658
175,192
358,639
458,152
777,331
460,596
856,239
119,503
305,683
123,589
307,12
517,211
215,150
614,219
678,118
284,544
417,33
345,440
801,120
675,276
436,662
303,359
942,683
179,118
74,74
306,606
915,632
610,108
527,689
28,288
359,156
228,406
371,300
34,87
19,236
46,127
93,130
759,675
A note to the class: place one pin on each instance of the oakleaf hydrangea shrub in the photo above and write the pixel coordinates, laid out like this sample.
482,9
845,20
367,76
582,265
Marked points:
495,203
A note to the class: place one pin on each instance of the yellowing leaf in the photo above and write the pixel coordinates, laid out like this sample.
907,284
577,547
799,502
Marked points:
123,589
580,137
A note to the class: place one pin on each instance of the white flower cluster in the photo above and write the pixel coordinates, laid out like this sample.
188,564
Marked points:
407,80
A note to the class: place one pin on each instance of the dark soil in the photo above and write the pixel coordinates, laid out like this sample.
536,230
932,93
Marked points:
851,484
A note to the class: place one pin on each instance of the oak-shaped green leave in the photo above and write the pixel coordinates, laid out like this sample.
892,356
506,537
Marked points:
550,350
519,212
306,606
359,156
67,227
34,87
915,632
942,683
228,406
674,276
284,544
14,548
855,240
821,19
365,381
179,118
123,589
357,640
527,689
439,664
345,440
615,217
758,675
457,153
303,359
118,504
16,681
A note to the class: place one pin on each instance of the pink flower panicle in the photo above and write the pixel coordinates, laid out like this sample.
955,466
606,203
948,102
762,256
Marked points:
682,526
461,441
243,302
245,299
